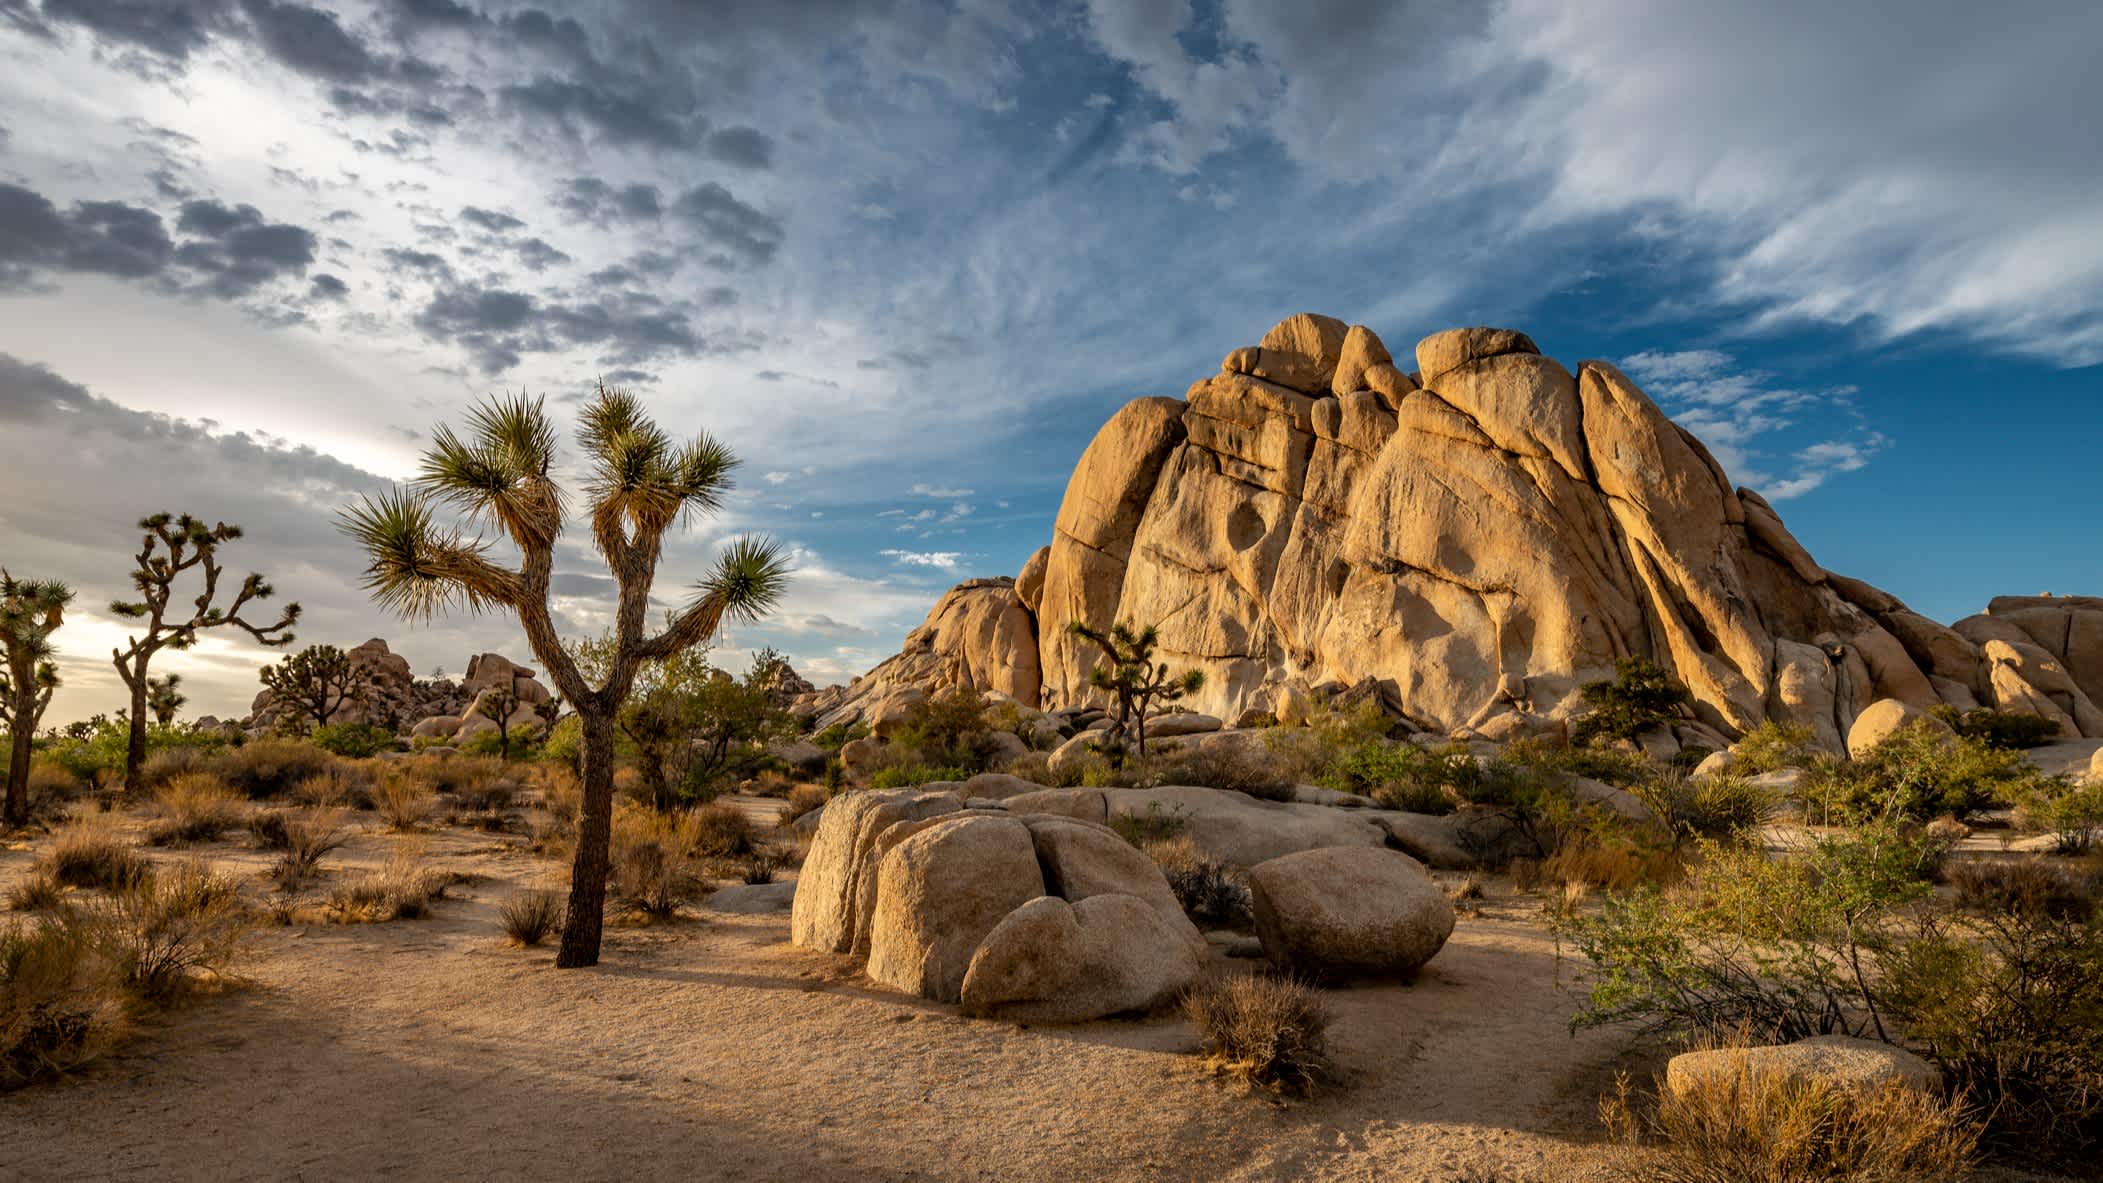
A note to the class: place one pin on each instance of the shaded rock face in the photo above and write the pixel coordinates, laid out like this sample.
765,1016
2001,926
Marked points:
979,636
1467,545
390,695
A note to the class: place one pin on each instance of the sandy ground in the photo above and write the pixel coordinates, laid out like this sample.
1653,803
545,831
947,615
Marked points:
714,1049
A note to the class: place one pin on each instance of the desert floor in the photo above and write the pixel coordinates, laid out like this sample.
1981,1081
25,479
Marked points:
712,1048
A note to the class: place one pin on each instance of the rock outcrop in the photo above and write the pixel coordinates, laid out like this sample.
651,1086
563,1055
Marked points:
1467,545
388,694
1838,1060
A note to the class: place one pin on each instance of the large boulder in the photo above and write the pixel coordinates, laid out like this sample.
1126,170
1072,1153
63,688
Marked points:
1349,911
829,899
1883,718
1839,1060
938,894
1052,961
1239,830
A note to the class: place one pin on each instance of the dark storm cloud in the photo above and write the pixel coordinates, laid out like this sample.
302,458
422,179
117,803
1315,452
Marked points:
748,235
499,326
589,199
171,29
744,147
226,251
424,263
536,255
624,119
310,41
328,287
490,220
234,250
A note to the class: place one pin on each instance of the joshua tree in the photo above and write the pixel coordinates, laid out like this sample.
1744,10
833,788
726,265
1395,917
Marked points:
498,706
310,686
640,484
164,698
173,545
1133,678
30,611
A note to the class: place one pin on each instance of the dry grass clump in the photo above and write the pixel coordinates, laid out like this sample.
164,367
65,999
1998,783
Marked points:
305,839
168,763
41,892
531,915
51,787
404,801
194,807
655,861
1212,894
1265,1030
72,979
803,799
90,853
1615,865
720,828
404,889
1763,1127
342,783
264,768
2024,886
759,867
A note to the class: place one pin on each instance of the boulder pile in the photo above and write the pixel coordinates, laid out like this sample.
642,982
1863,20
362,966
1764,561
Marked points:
1466,543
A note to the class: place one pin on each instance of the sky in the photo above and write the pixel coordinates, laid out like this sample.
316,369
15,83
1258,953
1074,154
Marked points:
905,257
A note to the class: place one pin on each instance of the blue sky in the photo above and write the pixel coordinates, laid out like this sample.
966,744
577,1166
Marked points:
906,257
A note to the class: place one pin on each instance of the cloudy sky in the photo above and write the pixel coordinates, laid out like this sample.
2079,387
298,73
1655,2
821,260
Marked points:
907,256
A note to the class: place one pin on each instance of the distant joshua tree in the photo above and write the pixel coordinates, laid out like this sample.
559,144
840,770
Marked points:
641,483
164,698
311,686
498,706
30,611
1132,677
172,546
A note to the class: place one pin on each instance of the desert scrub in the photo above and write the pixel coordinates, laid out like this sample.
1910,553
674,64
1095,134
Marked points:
655,862
404,889
804,798
2008,730
1266,1030
2028,886
911,775
91,853
306,840
2070,811
355,741
59,1004
264,768
1218,766
1773,746
403,801
720,829
1724,807
1920,772
165,933
1154,825
531,915
193,807
1212,894
1640,697
40,892
1743,1126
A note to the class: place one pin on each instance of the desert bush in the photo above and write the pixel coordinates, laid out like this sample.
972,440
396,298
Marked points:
2007,730
2008,1001
1640,697
403,801
803,799
59,1006
838,736
340,784
1920,772
91,853
1155,825
2070,811
165,932
1771,949
194,807
1212,894
950,732
39,892
531,915
168,763
655,858
356,741
1217,766
564,745
404,889
95,748
1726,808
272,767
268,829
2023,886
1036,768
912,774
1762,1127
759,867
1266,1030
1773,746
720,829
50,787
1607,765
307,840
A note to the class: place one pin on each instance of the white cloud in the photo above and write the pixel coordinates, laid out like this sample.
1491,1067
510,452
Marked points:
946,560
1739,412
941,493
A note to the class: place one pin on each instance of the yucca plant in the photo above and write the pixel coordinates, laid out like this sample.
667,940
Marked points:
310,686
30,611
173,545
640,484
1133,678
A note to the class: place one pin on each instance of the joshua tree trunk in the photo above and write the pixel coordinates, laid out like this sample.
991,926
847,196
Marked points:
135,741
580,934
18,777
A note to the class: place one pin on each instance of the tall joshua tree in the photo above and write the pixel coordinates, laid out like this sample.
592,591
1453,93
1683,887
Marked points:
172,546
30,611
1132,676
640,483
310,686
164,697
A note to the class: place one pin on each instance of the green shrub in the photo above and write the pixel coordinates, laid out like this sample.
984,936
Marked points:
90,853
1920,772
356,741
2070,811
838,736
565,744
945,731
1622,769
1640,697
97,746
1725,808
2007,730
1773,746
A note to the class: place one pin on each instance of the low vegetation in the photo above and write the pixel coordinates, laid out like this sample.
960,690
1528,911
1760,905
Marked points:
1920,772
1269,1031
531,916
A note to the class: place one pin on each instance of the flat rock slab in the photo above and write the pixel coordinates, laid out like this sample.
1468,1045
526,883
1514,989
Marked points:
754,899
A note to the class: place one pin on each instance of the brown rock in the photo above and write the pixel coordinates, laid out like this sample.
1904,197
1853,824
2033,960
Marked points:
1349,911
939,893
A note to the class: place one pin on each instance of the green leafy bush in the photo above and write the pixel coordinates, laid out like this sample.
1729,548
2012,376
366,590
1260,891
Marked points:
1640,697
2007,730
97,746
912,776
1773,746
355,741
1920,772
2070,811
1725,808
271,767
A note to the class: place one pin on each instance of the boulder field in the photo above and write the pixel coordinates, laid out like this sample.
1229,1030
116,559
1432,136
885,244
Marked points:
1469,542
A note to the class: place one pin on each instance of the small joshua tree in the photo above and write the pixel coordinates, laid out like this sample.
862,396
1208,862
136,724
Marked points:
641,483
30,611
311,686
1131,676
164,698
498,706
172,546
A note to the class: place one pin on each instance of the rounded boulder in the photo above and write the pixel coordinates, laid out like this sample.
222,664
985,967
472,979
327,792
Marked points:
1349,911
